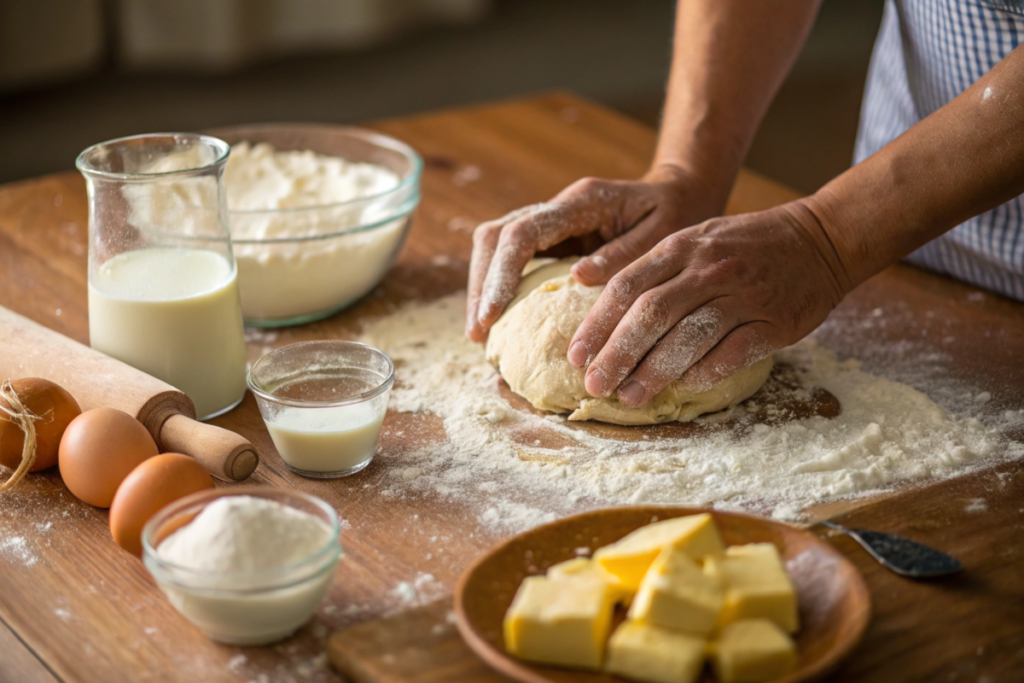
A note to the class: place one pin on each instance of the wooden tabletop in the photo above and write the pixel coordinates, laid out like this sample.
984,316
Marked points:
74,607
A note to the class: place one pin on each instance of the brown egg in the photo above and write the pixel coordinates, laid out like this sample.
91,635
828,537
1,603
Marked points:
54,406
155,483
100,447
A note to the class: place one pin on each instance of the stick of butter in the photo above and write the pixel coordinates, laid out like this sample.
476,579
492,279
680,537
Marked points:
564,623
752,650
643,652
756,585
675,593
631,557
582,566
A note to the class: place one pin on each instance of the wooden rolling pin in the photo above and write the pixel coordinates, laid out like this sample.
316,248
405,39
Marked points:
28,349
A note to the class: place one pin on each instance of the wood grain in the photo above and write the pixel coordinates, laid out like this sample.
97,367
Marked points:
91,612
421,644
17,663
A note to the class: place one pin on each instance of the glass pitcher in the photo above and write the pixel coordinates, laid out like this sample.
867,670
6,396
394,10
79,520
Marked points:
163,286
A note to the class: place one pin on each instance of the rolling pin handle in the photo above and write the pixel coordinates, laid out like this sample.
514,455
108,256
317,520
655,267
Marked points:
223,453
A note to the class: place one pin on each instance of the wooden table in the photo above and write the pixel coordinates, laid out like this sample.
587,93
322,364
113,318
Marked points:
74,607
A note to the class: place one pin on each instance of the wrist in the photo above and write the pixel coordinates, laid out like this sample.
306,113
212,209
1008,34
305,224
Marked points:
813,224
698,188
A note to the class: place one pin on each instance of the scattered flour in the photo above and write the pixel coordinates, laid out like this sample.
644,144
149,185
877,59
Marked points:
521,470
466,175
419,591
236,663
976,506
16,547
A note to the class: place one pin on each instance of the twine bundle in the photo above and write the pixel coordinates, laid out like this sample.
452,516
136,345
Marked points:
15,411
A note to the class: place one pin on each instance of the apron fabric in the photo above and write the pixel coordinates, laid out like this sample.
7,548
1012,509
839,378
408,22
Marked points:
927,53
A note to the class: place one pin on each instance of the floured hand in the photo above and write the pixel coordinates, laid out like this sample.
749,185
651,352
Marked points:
630,217
707,301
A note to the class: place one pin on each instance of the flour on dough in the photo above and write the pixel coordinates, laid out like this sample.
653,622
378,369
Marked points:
528,346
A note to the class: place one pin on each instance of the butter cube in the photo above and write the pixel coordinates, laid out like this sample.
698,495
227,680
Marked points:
631,557
676,593
752,650
564,623
642,652
582,566
756,585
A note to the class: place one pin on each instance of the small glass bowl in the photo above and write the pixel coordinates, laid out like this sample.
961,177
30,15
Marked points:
346,248
244,608
324,403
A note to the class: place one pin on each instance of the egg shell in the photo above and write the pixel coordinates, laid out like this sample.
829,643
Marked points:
54,406
99,448
156,483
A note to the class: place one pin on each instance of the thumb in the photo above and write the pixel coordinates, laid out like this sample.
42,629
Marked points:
603,264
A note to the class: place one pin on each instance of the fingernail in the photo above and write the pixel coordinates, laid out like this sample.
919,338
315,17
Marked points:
592,267
481,312
596,384
597,264
632,393
578,354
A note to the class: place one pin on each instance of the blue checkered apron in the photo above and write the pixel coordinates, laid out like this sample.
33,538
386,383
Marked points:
927,53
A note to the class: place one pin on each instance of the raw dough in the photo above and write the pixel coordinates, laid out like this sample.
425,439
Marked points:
529,343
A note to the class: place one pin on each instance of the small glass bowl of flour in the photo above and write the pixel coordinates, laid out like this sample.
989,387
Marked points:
246,565
318,215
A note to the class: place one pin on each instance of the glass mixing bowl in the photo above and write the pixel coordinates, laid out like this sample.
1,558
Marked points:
343,250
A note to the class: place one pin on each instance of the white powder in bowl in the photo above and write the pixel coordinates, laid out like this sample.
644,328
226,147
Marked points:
282,195
244,534
259,177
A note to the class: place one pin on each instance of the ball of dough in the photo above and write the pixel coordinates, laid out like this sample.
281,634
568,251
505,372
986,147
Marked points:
528,346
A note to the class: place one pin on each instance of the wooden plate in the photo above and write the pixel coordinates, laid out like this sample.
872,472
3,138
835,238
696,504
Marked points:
834,602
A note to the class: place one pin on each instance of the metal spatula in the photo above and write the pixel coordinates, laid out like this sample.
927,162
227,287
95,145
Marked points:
901,555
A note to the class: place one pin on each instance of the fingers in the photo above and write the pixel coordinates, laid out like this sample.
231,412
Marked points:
685,344
485,241
599,267
624,291
518,241
743,346
648,320
587,206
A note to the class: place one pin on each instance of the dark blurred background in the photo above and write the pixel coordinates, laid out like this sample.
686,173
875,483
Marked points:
75,72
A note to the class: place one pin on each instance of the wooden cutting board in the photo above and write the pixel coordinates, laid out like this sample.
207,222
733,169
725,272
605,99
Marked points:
420,645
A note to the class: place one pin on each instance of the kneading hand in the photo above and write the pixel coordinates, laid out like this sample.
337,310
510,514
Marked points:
630,217
707,301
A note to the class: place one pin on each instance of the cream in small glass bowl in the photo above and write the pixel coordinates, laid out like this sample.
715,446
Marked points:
324,404
301,263
254,607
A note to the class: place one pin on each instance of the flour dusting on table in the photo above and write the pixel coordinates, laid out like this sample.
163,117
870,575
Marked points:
888,434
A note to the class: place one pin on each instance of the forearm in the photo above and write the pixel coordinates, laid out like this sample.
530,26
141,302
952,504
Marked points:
729,59
963,160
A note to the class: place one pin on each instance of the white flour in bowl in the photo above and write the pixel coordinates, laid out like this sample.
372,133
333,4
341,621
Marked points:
275,195
888,434
259,177
244,534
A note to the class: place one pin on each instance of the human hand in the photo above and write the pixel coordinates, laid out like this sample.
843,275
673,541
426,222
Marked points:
709,300
630,217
